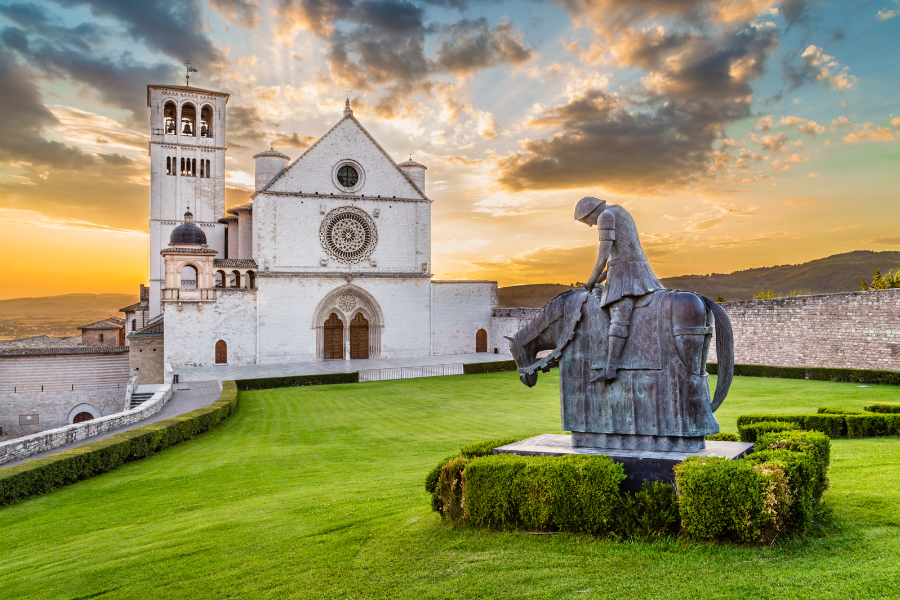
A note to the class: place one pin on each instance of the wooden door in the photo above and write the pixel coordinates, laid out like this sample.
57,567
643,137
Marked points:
359,337
481,341
82,417
334,338
221,353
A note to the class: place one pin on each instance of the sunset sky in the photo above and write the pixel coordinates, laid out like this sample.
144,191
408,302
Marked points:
739,134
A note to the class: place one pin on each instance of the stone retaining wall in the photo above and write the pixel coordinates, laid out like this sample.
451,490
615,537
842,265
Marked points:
24,447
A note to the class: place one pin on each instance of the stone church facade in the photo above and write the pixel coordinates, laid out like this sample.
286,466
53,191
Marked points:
329,259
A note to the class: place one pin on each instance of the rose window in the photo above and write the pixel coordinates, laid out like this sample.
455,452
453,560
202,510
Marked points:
348,234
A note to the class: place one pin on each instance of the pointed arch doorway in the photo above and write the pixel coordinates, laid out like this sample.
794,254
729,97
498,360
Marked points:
359,337
333,338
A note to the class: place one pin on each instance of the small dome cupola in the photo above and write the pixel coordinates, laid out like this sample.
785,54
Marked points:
269,164
415,171
187,234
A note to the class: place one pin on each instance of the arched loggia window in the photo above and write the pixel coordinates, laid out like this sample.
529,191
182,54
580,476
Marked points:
189,277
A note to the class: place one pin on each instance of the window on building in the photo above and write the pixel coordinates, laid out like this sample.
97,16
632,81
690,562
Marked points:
168,165
207,169
206,122
188,120
169,115
189,277
193,167
202,168
134,324
101,337
182,166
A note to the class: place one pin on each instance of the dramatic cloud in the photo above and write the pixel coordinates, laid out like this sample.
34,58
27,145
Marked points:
240,12
803,125
176,29
664,139
815,65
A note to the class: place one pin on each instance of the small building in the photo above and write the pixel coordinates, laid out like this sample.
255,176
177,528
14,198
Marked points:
108,333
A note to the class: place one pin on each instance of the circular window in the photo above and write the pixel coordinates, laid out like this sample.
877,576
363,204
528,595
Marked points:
348,234
347,176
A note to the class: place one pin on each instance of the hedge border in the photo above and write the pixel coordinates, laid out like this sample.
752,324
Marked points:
499,366
815,373
268,383
44,475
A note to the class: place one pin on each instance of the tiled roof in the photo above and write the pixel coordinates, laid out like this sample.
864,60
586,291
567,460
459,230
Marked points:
411,163
185,88
154,328
236,209
134,307
63,350
245,263
273,152
110,323
41,341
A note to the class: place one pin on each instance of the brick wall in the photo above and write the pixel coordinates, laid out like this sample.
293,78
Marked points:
858,330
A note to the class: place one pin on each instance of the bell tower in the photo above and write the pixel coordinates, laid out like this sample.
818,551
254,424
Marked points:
187,170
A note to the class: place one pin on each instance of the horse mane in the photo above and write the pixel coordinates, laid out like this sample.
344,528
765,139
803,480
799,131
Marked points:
550,313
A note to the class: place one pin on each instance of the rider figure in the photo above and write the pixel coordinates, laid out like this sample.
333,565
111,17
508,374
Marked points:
623,264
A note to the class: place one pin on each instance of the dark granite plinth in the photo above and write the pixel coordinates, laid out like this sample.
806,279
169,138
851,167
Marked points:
639,465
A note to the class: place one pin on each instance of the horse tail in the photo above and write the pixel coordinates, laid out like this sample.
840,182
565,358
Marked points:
724,351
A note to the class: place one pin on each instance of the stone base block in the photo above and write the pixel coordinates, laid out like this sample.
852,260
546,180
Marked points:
639,465
627,441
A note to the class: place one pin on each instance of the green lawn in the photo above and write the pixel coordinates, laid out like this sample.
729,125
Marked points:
317,493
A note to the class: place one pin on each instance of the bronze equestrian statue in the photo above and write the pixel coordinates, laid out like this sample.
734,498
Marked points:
632,355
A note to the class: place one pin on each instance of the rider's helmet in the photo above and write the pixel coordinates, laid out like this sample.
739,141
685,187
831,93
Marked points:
586,206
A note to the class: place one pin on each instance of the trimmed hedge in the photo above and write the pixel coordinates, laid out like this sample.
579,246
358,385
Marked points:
47,474
774,492
268,383
485,447
750,432
723,437
883,408
820,374
872,425
829,424
489,367
575,493
833,410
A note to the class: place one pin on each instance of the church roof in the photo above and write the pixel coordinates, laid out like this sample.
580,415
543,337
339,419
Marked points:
348,114
41,341
134,307
272,152
110,323
187,233
243,207
411,163
63,350
229,219
184,88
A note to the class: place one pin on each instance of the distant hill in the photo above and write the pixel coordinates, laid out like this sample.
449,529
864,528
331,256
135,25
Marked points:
105,304
838,273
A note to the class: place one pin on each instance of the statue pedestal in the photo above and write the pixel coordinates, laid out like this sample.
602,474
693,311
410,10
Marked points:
639,465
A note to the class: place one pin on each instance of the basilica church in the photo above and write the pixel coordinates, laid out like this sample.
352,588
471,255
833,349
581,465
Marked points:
330,257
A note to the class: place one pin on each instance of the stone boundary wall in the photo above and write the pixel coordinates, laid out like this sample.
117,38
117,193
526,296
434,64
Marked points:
853,330
30,445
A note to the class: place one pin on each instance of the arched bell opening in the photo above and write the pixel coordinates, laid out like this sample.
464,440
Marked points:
206,121
221,278
188,120
333,338
235,279
170,114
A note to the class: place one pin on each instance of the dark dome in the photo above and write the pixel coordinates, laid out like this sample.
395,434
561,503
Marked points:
187,233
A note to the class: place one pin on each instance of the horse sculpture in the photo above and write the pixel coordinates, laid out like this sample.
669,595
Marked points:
661,399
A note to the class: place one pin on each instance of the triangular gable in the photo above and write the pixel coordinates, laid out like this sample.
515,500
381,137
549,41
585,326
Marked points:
279,181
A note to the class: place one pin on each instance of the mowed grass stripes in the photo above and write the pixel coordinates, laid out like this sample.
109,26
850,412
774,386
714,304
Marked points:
316,492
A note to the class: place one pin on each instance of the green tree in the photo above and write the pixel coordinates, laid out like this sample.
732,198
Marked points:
720,299
862,284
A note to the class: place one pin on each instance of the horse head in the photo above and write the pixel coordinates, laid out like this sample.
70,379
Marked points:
522,358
